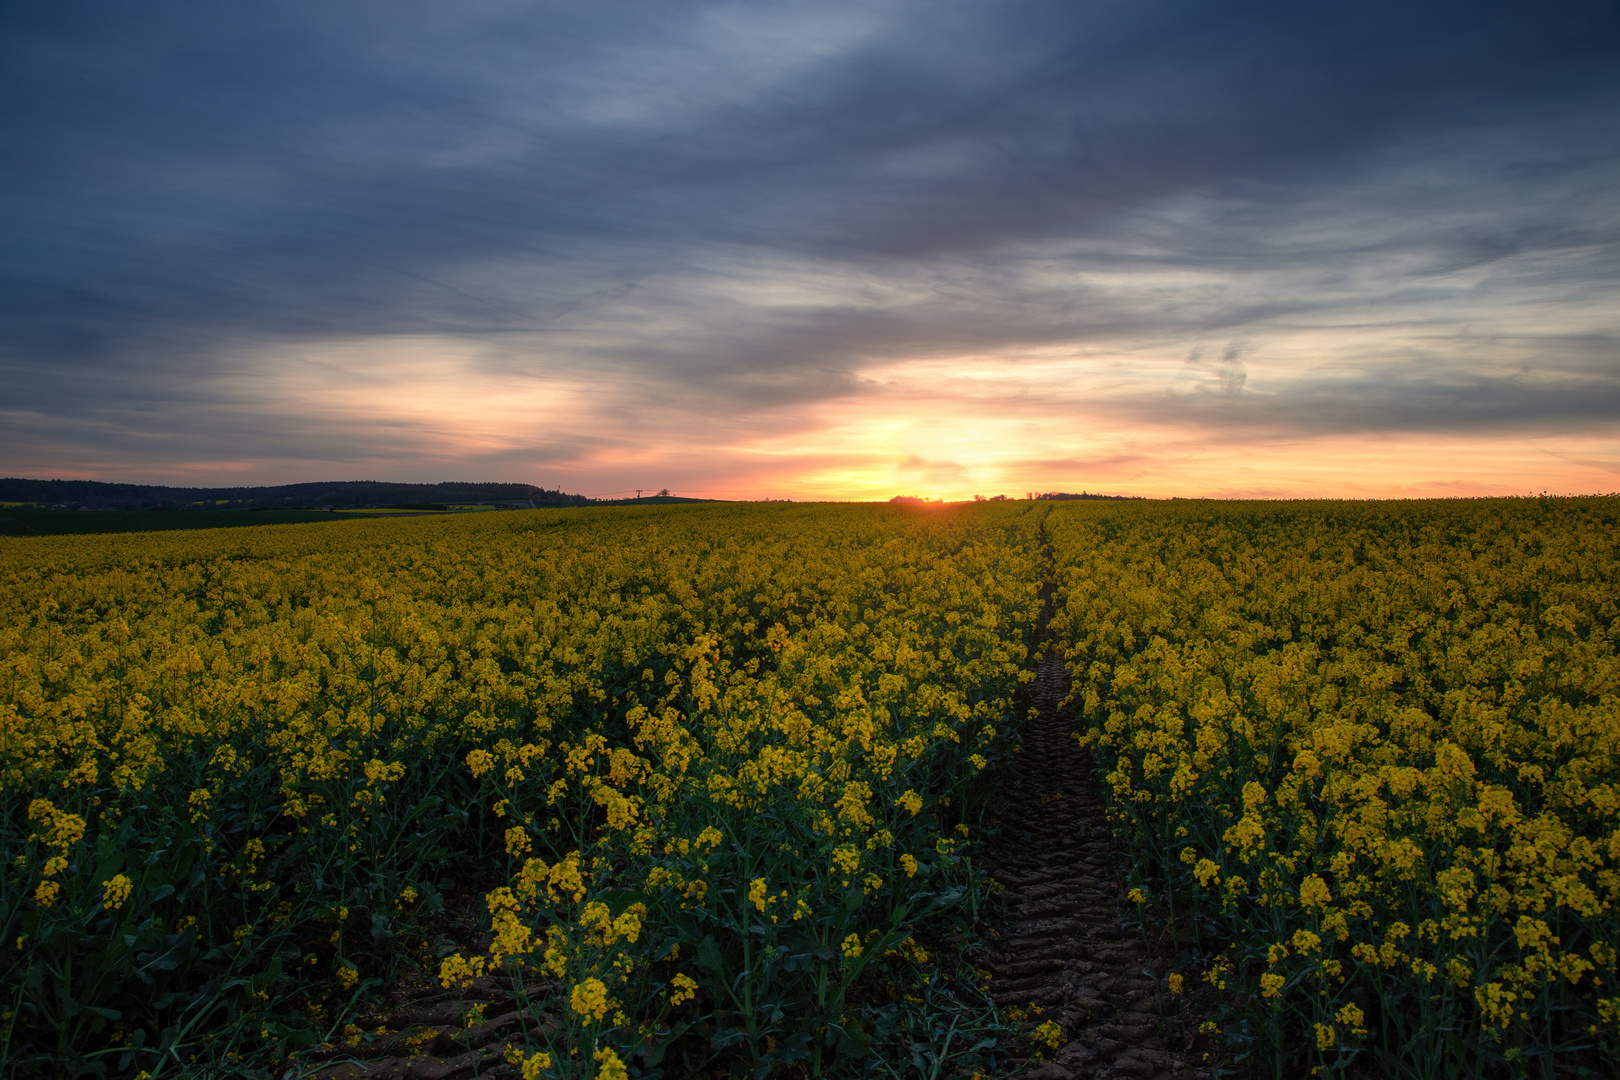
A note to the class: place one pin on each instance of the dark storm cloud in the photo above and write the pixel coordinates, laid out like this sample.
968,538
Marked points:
762,196
1409,397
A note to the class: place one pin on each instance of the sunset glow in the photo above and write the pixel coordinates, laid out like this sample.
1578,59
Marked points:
749,251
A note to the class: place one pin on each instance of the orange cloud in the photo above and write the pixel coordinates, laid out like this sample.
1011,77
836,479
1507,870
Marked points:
1143,422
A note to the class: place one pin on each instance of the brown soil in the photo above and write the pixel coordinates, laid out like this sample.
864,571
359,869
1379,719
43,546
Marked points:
424,1036
1069,943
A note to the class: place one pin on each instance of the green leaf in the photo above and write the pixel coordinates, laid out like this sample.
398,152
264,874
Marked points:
654,1054
709,953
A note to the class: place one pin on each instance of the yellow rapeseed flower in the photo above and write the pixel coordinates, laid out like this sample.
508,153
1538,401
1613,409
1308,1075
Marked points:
115,891
589,998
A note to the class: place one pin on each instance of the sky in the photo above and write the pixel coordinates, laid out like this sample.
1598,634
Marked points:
815,250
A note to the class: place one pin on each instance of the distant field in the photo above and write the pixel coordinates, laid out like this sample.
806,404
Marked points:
653,500
21,521
15,521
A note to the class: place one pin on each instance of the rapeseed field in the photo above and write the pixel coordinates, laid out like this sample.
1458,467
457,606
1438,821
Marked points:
1368,755
704,773
707,767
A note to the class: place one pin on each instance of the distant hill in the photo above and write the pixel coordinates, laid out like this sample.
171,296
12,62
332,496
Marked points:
347,493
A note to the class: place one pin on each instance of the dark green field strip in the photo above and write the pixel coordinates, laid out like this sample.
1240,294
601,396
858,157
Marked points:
71,522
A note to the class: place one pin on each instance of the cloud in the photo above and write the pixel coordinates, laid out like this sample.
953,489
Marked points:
412,237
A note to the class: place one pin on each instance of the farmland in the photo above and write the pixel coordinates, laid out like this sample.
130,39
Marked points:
249,769
21,521
1365,756
704,788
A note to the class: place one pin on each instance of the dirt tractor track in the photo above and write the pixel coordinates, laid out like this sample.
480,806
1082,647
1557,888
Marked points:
1068,942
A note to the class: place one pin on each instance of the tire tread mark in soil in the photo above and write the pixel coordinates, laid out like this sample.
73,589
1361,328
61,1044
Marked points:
1069,943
